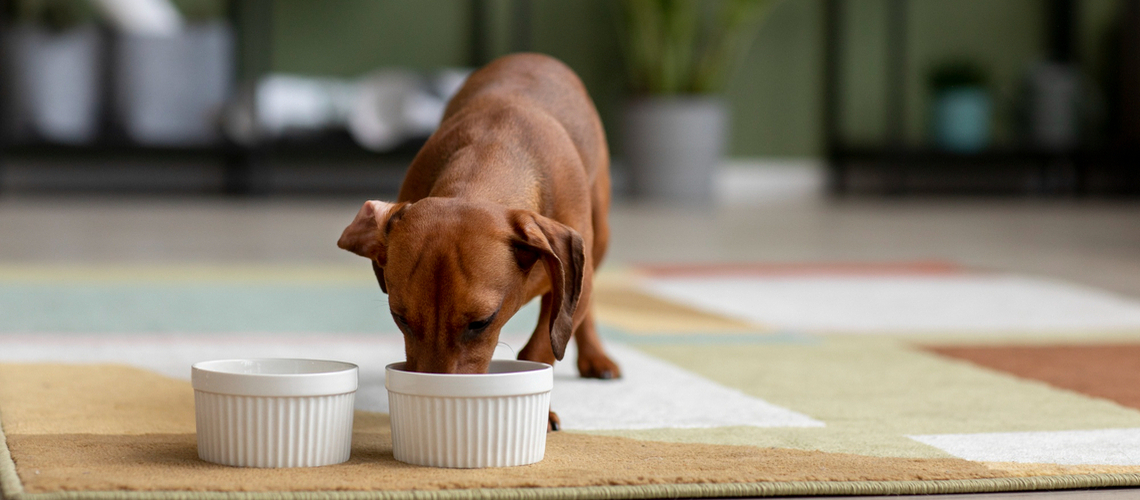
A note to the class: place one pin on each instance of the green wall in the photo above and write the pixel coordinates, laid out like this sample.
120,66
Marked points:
775,95
351,37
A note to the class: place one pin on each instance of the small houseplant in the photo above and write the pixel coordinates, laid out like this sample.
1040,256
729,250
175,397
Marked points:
171,82
54,80
679,54
962,110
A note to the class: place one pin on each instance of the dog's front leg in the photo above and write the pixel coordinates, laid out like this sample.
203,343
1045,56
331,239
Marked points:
592,359
538,347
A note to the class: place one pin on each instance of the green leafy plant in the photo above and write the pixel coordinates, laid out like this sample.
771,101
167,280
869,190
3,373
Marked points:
58,15
953,74
201,10
687,46
61,15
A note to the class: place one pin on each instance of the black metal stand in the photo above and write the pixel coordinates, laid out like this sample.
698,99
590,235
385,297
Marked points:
5,82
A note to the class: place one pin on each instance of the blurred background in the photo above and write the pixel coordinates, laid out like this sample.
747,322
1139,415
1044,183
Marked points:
702,100
177,173
999,134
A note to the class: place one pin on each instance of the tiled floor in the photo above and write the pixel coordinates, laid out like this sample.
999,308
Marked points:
1096,243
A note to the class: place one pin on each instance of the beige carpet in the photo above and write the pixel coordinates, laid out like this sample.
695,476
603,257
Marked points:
116,428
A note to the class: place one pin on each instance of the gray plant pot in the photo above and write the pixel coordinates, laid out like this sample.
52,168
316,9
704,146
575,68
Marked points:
54,82
170,90
673,147
1054,105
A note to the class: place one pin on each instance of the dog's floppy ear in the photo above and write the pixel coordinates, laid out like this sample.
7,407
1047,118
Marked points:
562,253
367,235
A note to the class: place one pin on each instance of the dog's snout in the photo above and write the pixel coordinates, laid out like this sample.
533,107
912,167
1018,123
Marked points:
445,364
432,364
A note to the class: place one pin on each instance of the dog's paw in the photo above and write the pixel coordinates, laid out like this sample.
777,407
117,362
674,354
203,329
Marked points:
553,425
597,365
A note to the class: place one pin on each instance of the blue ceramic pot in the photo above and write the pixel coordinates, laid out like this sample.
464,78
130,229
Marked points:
961,119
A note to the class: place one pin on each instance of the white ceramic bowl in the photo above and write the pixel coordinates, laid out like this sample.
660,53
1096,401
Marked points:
497,419
274,412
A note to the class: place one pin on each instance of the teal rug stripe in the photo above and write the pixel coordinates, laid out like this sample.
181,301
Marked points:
204,308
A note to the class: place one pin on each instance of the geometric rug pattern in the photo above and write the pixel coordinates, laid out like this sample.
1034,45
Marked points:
841,378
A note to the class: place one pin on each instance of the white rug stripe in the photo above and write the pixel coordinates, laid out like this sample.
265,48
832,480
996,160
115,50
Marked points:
1089,447
653,393
915,304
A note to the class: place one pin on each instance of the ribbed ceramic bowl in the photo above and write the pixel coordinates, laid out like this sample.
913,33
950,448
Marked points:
274,412
497,419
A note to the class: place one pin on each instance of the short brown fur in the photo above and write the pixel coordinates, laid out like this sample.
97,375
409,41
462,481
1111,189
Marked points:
507,201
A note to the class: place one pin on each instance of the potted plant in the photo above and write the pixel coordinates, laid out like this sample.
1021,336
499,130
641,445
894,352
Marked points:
54,79
679,54
173,73
962,109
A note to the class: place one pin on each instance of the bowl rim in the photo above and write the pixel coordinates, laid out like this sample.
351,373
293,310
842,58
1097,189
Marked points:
523,378
216,376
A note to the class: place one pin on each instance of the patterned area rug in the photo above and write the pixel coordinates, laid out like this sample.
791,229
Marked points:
742,380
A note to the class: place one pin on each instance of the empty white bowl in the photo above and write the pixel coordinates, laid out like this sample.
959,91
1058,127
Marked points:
274,412
497,419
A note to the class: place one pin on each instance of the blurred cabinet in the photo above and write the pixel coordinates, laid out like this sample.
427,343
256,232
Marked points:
238,48
1109,164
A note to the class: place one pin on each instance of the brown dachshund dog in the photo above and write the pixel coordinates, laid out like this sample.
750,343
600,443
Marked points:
506,201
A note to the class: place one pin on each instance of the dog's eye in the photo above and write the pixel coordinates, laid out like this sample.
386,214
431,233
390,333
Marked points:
479,325
475,328
400,321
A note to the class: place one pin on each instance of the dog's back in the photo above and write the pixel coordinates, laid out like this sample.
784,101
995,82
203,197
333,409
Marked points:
553,87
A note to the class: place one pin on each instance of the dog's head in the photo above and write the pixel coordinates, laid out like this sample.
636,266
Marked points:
456,271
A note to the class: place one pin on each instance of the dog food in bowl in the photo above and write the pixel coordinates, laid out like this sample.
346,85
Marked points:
496,419
274,412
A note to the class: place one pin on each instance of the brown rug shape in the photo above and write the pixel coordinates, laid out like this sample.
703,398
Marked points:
70,462
1110,371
